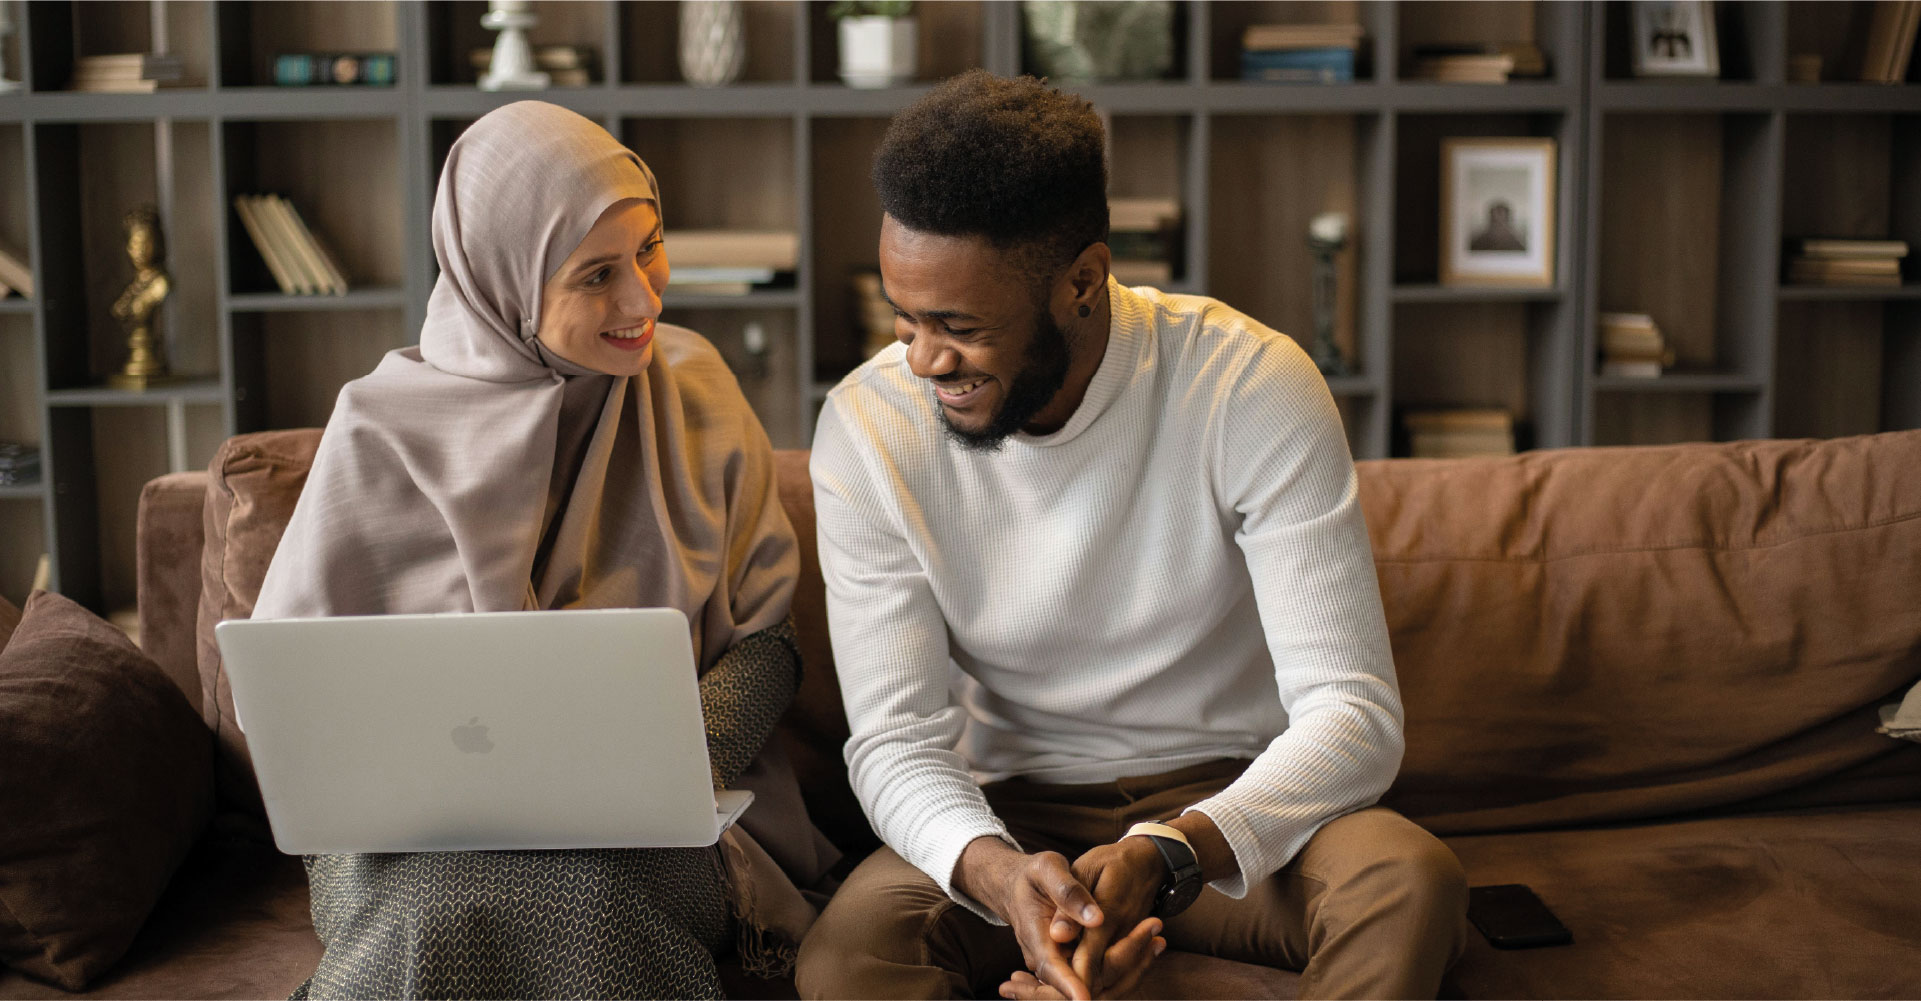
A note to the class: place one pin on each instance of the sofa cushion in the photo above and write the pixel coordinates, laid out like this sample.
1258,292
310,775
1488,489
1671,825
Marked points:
1604,634
254,482
1808,904
113,767
233,924
169,543
9,618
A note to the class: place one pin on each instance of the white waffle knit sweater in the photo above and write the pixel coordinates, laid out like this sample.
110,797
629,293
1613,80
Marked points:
1179,574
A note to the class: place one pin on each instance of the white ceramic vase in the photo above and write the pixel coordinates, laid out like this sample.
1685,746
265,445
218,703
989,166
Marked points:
713,42
877,51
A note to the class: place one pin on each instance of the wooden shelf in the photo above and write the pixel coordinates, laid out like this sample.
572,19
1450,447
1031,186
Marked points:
1736,164
357,299
1849,293
1428,292
781,298
1681,382
194,391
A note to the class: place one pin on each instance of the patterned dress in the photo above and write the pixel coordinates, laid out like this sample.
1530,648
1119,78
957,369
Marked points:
593,923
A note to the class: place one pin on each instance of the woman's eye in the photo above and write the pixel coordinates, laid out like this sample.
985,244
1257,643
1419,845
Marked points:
597,278
650,249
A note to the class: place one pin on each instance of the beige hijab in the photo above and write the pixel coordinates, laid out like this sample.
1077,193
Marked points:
477,472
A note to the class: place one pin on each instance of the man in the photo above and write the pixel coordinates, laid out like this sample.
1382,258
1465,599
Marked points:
1094,557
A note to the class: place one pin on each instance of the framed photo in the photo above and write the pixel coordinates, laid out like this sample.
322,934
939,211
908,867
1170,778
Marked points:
1675,38
1497,212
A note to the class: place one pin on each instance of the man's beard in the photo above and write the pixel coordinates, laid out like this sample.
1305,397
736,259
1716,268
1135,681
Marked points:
1039,380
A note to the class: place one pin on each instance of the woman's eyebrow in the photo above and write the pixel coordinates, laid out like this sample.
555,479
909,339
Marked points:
594,262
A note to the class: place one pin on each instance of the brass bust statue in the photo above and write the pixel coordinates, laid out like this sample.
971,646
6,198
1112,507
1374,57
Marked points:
142,298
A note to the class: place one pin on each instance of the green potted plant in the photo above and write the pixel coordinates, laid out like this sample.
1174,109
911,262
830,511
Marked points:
877,41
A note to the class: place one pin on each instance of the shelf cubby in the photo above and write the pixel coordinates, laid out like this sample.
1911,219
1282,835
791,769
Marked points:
253,33
1228,22
1748,37
766,363
719,173
845,240
454,32
952,38
289,366
359,223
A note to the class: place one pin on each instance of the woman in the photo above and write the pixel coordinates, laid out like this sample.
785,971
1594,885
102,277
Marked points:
549,445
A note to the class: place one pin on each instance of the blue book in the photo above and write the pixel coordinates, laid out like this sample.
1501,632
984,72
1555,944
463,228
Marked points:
1327,65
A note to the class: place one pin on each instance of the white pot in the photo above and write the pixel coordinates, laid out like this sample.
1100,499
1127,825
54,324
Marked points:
877,51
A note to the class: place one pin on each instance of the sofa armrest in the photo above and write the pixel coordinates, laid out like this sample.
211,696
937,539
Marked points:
167,567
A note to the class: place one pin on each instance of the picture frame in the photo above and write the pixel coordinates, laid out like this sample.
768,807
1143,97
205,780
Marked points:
1498,203
1674,38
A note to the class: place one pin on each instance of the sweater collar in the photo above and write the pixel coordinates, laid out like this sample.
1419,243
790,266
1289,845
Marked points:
1126,332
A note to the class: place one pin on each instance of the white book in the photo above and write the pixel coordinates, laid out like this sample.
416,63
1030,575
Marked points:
250,218
1632,369
15,273
280,227
321,262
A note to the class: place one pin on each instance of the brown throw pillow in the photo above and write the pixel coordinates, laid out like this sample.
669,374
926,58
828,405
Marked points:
107,782
9,618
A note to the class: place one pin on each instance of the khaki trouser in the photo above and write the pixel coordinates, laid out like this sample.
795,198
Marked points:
1372,906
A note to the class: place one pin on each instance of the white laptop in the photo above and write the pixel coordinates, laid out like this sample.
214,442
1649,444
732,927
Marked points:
405,733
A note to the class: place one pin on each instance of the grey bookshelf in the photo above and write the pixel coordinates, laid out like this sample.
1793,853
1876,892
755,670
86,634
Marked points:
789,147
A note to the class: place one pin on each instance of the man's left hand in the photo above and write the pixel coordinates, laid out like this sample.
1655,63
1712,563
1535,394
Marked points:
1125,878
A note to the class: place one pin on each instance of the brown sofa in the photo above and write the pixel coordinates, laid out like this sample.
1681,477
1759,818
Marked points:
1642,681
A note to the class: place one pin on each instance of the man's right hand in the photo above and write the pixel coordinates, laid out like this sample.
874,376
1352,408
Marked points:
1039,898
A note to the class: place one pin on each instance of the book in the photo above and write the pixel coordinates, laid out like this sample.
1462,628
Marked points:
342,69
1142,215
15,273
1273,37
281,227
1846,265
134,72
1640,320
1528,59
1631,368
1465,69
316,257
1466,419
709,288
1830,248
769,250
1799,277
269,251
1890,41
723,275
1322,66
551,58
1137,272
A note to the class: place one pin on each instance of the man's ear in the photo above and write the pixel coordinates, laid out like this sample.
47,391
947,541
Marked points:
1087,276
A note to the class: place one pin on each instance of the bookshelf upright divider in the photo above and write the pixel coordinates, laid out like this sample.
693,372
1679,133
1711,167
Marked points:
1249,164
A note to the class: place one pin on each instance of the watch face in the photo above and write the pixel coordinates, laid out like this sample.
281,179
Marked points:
1179,896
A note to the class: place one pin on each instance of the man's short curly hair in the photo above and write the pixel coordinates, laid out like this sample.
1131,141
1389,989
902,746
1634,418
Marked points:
1013,160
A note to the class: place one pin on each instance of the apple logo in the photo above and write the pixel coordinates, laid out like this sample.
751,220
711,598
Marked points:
472,738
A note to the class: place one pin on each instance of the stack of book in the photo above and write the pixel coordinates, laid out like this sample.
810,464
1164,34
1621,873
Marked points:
15,276
130,73
565,65
1299,53
731,261
1632,346
333,69
1846,262
872,313
1459,434
300,265
1144,235
1890,43
19,464
1495,62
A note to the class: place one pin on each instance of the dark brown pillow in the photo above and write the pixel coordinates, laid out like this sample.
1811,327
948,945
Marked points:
107,782
9,618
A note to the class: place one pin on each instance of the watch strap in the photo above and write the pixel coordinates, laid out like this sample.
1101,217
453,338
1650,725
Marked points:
1159,831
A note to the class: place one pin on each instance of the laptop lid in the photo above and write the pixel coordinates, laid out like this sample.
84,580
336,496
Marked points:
546,729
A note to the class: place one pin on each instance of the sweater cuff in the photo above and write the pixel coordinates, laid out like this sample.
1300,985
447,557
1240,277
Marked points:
945,855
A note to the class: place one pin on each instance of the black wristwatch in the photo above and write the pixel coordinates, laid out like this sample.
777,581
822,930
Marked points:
1183,882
